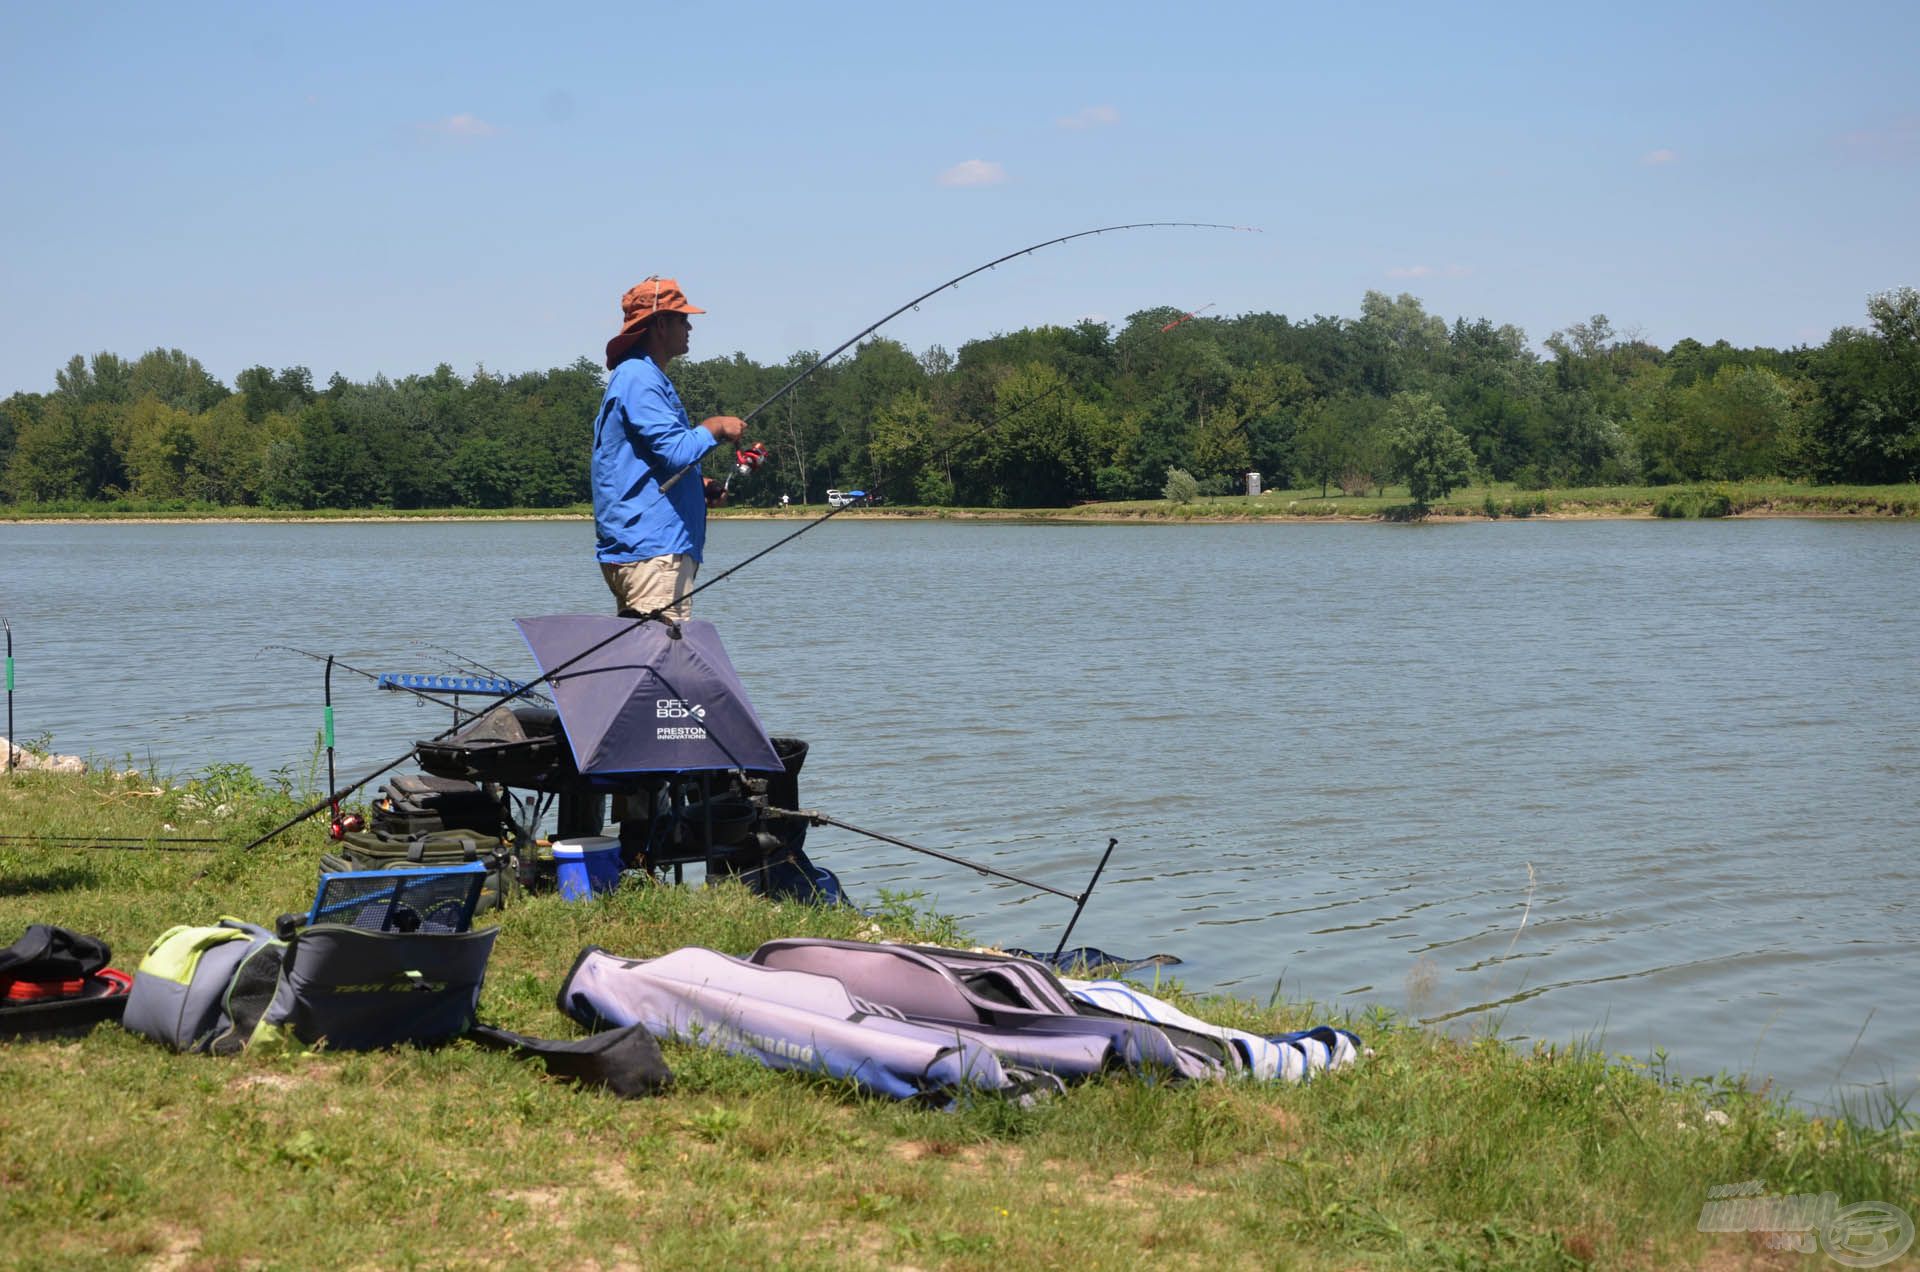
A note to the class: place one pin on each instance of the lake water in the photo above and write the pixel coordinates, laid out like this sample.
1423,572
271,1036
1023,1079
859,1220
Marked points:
1652,783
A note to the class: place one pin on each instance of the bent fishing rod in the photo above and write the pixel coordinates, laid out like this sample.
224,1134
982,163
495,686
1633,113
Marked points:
333,797
814,817
955,281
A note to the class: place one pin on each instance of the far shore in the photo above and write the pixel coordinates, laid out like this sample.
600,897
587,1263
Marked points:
1745,500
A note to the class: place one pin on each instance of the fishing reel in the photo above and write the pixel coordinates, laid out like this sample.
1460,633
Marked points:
748,458
745,460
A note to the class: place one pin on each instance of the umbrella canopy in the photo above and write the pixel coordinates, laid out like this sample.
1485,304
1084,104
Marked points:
654,699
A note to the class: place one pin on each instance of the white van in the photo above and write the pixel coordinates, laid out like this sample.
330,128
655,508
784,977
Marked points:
841,498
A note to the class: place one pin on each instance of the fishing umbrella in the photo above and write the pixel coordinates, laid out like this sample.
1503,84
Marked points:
657,698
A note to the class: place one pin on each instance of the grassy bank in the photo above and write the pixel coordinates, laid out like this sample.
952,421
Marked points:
1716,499
1433,1153
1498,500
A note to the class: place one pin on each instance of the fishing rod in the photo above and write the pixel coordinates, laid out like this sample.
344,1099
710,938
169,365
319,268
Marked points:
462,662
82,843
814,817
594,648
1186,317
955,281
113,839
8,629
332,662
334,796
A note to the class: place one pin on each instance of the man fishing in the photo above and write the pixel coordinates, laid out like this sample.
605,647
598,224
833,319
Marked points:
650,539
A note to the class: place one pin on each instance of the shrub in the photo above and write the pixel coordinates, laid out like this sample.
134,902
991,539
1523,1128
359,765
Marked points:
1181,488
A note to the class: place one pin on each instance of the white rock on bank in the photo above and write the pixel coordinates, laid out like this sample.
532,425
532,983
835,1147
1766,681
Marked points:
25,761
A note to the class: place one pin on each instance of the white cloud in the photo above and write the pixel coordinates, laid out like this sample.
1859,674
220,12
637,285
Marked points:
460,126
1089,117
1429,271
974,172
1654,158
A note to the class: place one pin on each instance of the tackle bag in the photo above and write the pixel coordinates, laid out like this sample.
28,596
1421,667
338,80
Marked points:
417,804
371,850
183,993
45,953
56,984
355,990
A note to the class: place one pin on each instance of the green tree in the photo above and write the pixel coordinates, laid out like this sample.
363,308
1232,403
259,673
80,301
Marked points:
1743,418
900,445
84,382
66,453
1867,422
160,450
175,379
1319,446
1427,453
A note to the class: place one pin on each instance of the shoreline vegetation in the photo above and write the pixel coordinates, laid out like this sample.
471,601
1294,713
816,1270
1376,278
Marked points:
1434,1151
1751,499
1164,404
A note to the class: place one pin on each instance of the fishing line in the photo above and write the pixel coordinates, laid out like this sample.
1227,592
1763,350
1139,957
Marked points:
955,281
548,677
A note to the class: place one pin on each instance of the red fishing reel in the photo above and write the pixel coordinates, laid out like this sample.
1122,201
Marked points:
748,458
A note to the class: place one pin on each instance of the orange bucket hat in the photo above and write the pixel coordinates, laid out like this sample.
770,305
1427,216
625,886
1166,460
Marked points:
653,295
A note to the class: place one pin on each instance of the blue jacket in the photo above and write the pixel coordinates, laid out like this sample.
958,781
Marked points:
641,437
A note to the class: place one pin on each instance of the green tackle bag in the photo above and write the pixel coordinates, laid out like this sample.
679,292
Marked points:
371,850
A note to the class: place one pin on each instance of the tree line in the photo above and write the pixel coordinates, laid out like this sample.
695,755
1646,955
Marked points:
1044,416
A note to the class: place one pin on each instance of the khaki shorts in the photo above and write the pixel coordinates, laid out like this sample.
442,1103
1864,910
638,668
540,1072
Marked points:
661,583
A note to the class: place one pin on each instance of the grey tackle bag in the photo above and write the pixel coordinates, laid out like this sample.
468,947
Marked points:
354,990
202,988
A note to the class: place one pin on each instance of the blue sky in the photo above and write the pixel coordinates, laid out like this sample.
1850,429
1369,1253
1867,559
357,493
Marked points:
369,189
